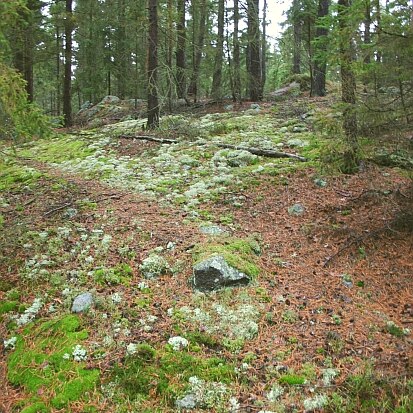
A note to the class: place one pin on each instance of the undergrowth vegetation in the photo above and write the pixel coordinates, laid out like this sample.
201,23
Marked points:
122,223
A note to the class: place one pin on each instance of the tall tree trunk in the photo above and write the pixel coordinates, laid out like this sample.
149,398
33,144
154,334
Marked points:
24,45
297,38
254,60
180,50
348,89
121,52
367,34
153,104
169,51
319,79
219,52
198,48
264,47
236,60
67,85
58,80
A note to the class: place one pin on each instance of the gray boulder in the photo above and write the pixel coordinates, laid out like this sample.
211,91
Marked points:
215,273
109,100
82,303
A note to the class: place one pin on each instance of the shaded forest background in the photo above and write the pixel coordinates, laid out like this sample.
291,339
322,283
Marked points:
66,55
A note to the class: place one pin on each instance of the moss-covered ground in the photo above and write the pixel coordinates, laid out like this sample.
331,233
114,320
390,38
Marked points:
324,325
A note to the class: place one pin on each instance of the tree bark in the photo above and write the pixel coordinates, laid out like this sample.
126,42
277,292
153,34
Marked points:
297,38
236,60
254,58
319,80
67,84
264,47
198,48
219,54
348,88
180,50
153,104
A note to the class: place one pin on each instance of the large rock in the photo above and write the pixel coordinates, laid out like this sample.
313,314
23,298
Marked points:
82,303
215,273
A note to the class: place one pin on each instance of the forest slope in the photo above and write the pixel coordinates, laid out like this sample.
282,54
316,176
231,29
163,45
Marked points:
324,323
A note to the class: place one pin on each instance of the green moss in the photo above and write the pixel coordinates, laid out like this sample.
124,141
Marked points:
74,389
37,407
58,149
121,274
37,362
239,253
166,373
197,337
292,379
12,174
7,306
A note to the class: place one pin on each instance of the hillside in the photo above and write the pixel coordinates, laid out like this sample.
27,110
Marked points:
112,238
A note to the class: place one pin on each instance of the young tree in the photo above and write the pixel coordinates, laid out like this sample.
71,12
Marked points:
180,50
67,85
198,46
153,103
219,54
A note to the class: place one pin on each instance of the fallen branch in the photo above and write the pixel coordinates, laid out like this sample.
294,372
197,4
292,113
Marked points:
256,151
68,204
57,209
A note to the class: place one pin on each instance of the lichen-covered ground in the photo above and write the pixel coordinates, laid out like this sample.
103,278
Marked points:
325,325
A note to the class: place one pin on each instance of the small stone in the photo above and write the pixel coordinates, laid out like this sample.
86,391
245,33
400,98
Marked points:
212,230
296,209
255,106
82,303
297,143
284,129
321,183
229,107
299,129
189,401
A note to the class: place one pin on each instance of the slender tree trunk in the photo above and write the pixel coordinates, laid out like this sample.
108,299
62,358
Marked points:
121,52
254,58
198,48
23,45
264,48
320,66
153,104
367,34
348,89
297,38
67,85
236,60
180,50
169,49
58,83
219,54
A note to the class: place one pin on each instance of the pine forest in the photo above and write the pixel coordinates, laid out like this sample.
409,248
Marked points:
206,206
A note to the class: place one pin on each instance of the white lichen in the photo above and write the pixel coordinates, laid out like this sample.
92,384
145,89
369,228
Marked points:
178,343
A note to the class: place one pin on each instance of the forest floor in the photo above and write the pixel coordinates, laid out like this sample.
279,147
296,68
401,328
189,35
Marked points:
325,325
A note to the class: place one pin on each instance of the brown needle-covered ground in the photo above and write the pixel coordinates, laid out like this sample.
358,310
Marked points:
331,278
